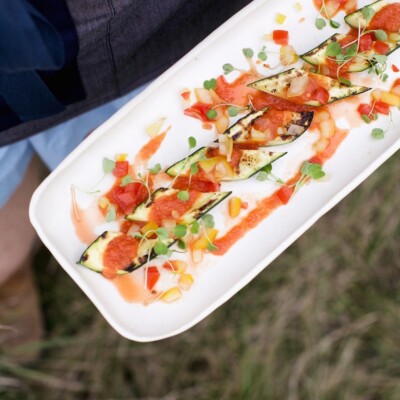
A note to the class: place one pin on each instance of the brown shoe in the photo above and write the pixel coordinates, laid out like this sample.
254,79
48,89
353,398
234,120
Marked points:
21,325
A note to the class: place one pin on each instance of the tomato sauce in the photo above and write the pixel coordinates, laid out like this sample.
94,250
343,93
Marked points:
150,148
171,207
130,288
119,254
335,6
387,18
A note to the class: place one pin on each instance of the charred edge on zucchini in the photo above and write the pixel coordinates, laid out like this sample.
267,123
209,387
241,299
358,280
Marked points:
237,129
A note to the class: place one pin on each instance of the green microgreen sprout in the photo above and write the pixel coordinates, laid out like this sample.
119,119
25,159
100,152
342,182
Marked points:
320,22
155,170
210,84
262,55
266,174
194,228
309,171
180,231
183,195
378,133
211,114
111,214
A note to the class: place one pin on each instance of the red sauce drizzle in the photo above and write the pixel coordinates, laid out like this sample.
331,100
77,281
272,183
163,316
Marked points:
387,18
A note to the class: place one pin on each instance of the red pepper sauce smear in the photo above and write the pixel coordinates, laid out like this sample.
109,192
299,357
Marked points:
335,6
387,18
119,254
171,207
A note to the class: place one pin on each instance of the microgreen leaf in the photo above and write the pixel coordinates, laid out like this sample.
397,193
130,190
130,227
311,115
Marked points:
126,180
162,233
385,77
262,176
160,248
351,51
340,58
320,23
208,221
312,170
380,58
181,244
262,56
334,24
381,35
183,195
233,111
365,118
195,227
211,114
333,49
111,214
180,230
108,165
248,53
211,247
378,133
211,84
227,68
345,81
267,168
368,13
156,169
194,169
192,142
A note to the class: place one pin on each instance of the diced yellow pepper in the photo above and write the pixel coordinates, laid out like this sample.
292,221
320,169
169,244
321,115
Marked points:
122,157
235,204
280,18
103,203
171,295
149,227
287,55
203,241
298,6
209,163
390,98
185,281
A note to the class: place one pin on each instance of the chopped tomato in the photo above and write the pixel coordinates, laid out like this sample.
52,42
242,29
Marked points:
121,168
280,37
200,185
284,194
381,47
321,95
364,109
366,42
153,275
128,197
199,111
315,160
382,107
387,18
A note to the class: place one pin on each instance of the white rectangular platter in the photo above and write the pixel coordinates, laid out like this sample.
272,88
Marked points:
357,157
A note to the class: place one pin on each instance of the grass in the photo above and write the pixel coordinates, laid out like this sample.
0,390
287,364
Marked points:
321,323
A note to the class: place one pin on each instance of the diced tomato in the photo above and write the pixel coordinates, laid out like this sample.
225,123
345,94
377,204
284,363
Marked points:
364,109
280,37
395,68
153,275
284,194
200,185
365,42
121,168
322,95
382,108
128,197
199,111
315,160
381,47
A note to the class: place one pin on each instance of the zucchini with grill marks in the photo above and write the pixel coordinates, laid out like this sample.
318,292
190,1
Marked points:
251,161
318,56
357,20
203,203
280,84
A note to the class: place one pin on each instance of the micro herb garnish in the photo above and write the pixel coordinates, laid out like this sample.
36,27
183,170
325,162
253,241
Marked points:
233,111
228,68
108,165
367,13
366,119
194,228
211,114
208,221
183,195
192,142
155,170
160,248
320,22
181,244
211,247
334,24
126,180
211,84
111,214
248,53
162,233
262,56
266,174
180,231
333,49
381,35
309,171
378,133
194,169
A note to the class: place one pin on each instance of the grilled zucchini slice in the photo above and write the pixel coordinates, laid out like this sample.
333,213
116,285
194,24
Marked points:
250,163
204,203
356,19
92,257
299,123
317,56
279,84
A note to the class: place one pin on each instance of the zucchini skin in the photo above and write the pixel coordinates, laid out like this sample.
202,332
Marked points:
278,84
356,19
317,55
243,124
250,163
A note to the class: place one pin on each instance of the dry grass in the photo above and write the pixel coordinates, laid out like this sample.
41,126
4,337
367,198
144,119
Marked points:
321,323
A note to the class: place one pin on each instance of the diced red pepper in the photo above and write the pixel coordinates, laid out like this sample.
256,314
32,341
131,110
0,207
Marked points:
364,109
284,194
381,47
200,185
322,95
280,37
153,275
315,160
382,108
365,42
395,68
121,168
128,197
